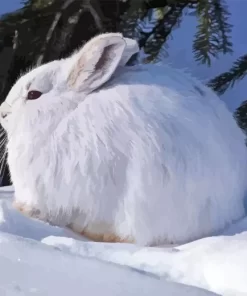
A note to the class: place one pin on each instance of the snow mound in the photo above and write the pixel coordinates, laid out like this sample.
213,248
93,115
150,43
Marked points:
216,263
39,259
32,268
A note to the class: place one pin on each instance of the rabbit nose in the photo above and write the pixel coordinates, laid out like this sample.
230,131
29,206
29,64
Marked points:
4,114
5,110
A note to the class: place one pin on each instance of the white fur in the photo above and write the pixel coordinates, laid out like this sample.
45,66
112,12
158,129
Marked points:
132,47
153,154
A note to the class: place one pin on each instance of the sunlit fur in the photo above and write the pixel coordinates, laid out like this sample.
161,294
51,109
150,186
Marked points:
152,155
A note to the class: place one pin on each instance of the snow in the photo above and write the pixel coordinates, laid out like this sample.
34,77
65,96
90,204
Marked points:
39,259
216,263
32,268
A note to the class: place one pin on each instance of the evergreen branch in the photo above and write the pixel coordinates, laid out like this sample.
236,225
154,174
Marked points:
213,31
221,14
240,116
163,29
227,79
64,34
129,20
94,8
202,46
52,28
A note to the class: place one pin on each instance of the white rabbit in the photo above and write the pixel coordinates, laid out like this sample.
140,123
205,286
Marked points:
143,154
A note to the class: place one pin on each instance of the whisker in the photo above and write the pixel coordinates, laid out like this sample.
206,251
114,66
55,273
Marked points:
3,141
3,147
3,153
2,133
3,166
3,157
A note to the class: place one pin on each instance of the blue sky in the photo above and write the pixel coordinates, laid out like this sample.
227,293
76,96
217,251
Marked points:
9,5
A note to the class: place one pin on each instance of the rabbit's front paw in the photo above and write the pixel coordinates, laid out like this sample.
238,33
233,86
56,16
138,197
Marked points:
99,233
27,210
106,237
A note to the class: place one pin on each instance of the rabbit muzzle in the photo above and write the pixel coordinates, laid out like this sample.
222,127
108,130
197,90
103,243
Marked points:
5,111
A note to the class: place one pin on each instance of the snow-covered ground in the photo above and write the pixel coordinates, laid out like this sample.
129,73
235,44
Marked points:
39,259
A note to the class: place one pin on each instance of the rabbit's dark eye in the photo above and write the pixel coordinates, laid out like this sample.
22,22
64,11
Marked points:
34,95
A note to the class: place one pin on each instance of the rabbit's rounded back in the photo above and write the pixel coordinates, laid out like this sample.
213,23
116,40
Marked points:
144,152
175,157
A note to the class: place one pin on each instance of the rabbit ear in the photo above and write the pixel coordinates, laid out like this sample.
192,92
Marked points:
95,63
132,47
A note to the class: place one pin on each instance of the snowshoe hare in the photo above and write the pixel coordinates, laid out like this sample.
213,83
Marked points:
143,154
